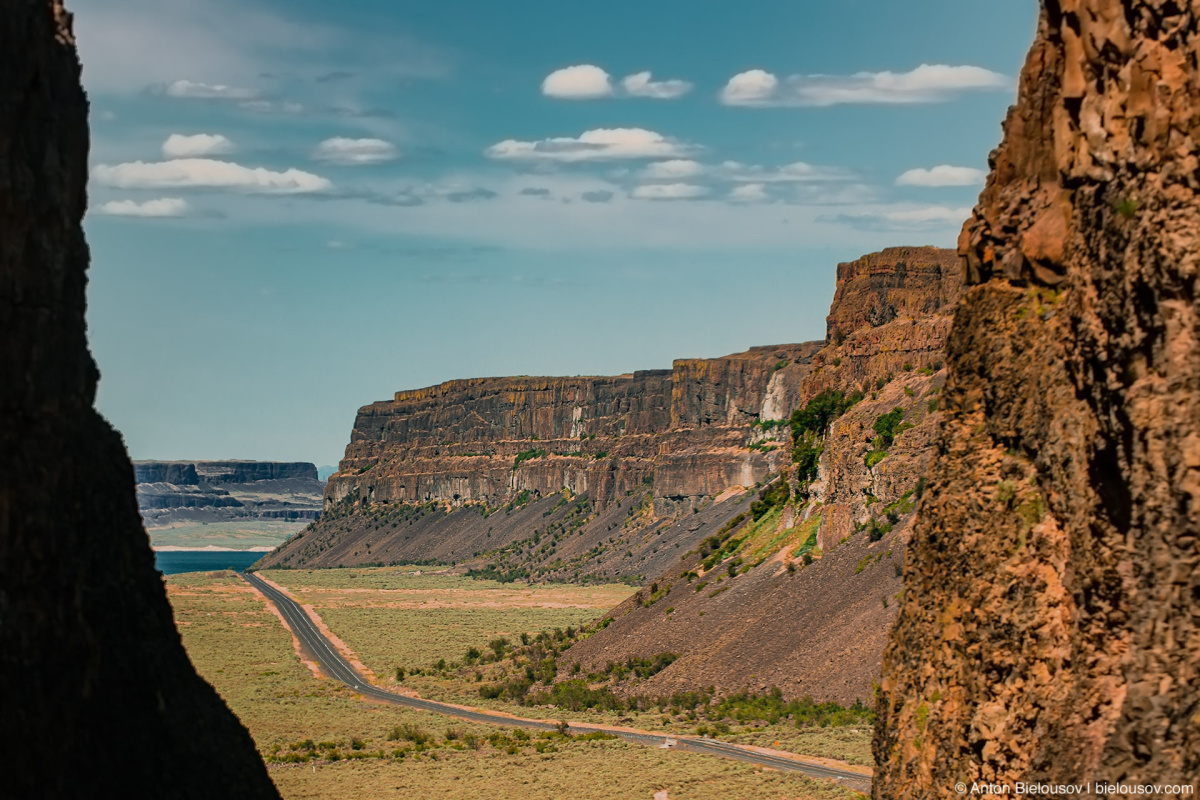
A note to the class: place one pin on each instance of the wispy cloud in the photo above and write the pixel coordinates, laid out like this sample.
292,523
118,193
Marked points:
205,173
195,90
674,169
944,175
130,44
179,145
669,191
796,172
922,218
749,193
641,84
589,82
355,152
928,83
600,144
161,207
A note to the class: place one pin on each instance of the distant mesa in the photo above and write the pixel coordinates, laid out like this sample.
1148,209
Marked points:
323,473
178,492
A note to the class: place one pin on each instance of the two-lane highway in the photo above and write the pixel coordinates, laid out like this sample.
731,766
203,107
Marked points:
336,666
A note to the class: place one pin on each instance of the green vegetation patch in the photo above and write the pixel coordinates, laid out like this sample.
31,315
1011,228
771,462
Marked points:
526,456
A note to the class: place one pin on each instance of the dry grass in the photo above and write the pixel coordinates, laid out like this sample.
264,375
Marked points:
412,616
247,655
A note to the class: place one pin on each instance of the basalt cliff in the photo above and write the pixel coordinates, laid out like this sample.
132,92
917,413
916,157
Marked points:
99,697
634,477
1050,630
174,492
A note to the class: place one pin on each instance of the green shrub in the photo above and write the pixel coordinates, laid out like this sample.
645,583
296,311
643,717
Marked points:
773,494
527,455
821,411
408,732
806,455
886,424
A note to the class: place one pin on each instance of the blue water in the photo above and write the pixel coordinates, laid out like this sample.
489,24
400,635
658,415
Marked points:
172,563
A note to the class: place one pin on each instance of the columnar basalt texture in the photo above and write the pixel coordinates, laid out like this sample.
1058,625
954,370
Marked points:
1051,623
99,698
486,440
896,283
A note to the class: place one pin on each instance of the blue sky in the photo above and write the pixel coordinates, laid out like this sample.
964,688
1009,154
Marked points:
299,208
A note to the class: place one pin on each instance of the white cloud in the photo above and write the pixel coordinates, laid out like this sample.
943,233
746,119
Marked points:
600,144
674,169
178,145
205,173
922,218
928,83
589,82
928,214
641,85
669,191
754,87
580,82
796,172
749,193
943,175
162,207
272,106
355,152
193,90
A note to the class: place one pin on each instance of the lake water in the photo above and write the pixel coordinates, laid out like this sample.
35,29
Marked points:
172,563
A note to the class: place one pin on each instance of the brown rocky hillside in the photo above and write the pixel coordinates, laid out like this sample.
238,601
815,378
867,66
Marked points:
1051,624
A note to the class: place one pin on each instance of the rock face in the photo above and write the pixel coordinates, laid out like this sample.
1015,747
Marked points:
899,282
89,655
1050,629
173,492
486,440
660,444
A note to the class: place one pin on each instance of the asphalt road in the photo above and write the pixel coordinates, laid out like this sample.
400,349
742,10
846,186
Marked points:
334,665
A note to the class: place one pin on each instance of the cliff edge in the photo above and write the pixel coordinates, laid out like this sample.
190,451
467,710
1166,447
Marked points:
1050,630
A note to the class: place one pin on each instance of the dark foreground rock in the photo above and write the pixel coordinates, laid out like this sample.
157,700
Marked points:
99,699
1051,624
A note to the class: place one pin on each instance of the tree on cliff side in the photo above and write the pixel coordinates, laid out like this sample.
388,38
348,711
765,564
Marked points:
98,698
1050,629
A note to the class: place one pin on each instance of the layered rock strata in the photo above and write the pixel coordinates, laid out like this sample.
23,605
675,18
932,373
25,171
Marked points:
174,492
486,440
1051,626
99,697
682,436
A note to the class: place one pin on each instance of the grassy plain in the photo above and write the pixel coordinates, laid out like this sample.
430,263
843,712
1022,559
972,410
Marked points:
234,535
411,617
322,741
